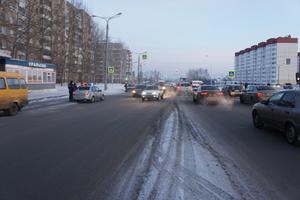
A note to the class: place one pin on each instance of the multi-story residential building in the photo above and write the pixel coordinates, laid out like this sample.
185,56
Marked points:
298,61
270,62
118,57
26,29
49,31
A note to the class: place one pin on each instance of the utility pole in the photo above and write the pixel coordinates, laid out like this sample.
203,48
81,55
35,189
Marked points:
139,69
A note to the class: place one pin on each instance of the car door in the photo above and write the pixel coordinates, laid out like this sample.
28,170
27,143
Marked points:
96,92
4,101
99,92
271,115
285,109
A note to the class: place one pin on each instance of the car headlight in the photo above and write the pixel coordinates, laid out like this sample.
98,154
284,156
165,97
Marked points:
163,87
143,93
154,93
133,91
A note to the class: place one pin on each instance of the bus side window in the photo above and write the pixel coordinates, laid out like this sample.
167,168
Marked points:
13,83
23,84
2,84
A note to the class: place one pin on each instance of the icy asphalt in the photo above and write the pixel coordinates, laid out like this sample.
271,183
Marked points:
125,149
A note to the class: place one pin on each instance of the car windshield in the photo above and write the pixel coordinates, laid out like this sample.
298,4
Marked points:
209,87
140,86
261,88
152,87
83,88
185,84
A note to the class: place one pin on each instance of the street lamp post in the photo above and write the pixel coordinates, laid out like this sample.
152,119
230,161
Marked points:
139,65
106,19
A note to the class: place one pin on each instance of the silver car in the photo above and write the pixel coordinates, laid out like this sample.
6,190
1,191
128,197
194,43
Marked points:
282,111
88,93
152,92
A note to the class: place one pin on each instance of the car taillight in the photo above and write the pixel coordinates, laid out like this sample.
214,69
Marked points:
220,94
204,93
260,94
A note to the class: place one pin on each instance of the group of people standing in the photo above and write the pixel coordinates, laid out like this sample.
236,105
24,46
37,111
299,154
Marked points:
72,86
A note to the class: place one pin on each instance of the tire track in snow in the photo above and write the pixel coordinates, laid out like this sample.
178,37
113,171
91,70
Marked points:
169,167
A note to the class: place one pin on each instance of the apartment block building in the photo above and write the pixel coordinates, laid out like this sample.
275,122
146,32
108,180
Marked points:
26,29
298,61
49,31
271,62
118,57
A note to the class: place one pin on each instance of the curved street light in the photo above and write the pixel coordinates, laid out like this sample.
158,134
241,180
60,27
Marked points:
106,19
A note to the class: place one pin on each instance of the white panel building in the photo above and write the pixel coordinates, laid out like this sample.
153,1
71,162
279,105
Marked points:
271,62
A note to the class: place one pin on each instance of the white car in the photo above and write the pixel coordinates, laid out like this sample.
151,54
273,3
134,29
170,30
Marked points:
152,92
88,93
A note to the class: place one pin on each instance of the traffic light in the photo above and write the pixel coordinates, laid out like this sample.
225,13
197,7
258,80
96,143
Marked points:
298,77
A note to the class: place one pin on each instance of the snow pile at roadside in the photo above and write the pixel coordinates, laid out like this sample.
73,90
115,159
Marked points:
43,95
62,92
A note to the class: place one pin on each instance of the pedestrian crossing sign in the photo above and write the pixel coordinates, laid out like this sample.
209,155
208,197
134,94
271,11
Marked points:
231,74
111,70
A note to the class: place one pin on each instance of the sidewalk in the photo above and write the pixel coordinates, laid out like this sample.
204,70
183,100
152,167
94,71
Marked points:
62,92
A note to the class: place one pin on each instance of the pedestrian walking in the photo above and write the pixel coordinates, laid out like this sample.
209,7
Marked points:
71,90
125,86
74,87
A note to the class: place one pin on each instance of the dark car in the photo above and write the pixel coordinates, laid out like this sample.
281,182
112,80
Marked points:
232,90
130,87
208,94
256,93
137,91
282,111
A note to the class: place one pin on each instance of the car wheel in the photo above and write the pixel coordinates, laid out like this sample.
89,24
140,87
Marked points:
242,100
252,101
13,110
93,99
157,98
195,100
257,121
291,134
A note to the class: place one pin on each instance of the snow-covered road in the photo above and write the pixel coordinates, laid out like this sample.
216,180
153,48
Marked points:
177,162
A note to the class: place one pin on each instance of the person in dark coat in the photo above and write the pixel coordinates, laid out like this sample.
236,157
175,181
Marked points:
126,86
71,90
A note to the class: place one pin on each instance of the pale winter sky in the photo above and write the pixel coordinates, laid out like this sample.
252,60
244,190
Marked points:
183,34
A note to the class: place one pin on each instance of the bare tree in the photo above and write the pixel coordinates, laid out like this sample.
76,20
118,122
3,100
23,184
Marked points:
198,74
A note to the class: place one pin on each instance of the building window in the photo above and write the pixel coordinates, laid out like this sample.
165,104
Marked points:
288,61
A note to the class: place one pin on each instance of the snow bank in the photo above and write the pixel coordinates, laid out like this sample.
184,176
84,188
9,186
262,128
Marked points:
62,92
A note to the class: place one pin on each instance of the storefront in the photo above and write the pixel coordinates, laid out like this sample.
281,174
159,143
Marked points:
38,75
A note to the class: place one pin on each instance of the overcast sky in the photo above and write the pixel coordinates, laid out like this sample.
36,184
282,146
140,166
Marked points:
183,34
